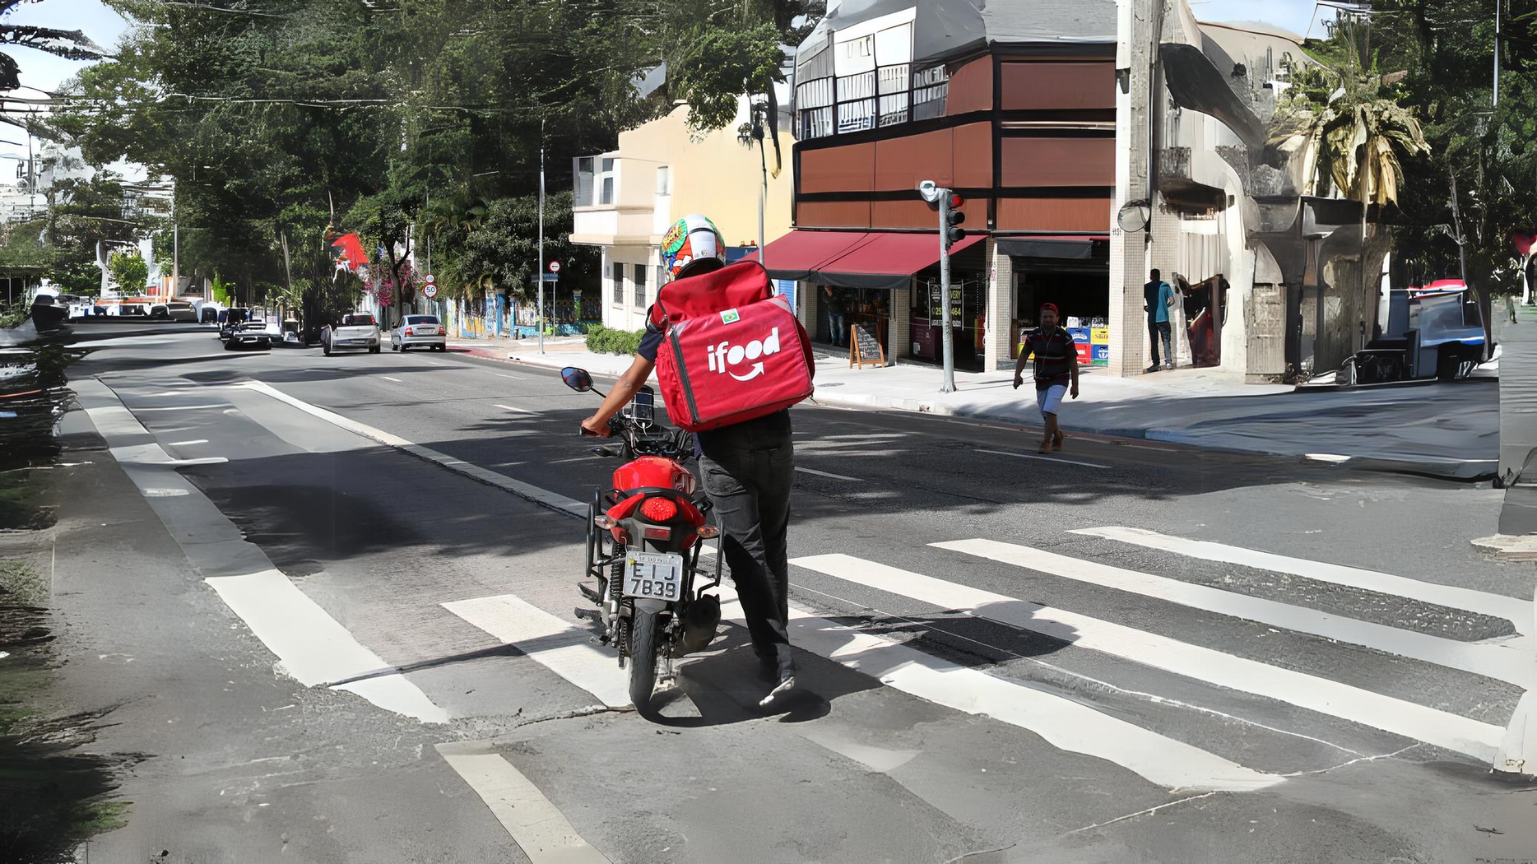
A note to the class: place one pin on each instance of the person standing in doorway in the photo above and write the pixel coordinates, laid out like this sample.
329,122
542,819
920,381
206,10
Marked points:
1157,297
837,316
1056,371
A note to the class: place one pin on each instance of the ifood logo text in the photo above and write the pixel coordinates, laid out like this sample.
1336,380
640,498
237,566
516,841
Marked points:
727,355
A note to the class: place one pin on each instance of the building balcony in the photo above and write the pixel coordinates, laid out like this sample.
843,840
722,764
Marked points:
613,225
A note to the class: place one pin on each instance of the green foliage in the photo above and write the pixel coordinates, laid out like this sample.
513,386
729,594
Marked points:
602,340
1347,128
1488,152
128,271
719,65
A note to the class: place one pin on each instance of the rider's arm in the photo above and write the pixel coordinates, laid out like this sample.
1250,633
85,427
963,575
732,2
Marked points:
620,396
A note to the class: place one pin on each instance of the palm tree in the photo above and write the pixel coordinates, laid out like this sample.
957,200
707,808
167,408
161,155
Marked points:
72,44
1349,132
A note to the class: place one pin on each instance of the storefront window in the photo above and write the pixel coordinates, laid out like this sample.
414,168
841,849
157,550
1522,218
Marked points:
968,314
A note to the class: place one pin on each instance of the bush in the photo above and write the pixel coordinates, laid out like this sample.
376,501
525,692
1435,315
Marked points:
602,340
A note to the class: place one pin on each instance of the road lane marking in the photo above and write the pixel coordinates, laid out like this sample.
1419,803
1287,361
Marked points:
513,377
828,474
1064,723
551,642
1321,695
1517,612
528,491
1333,458
535,824
388,378
1493,661
309,643
1043,458
188,443
312,647
181,408
516,410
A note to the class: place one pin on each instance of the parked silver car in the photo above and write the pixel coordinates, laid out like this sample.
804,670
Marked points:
419,331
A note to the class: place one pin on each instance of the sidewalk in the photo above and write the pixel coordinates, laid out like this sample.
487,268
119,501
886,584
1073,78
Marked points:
1446,430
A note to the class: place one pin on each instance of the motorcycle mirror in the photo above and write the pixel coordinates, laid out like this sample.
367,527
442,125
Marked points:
576,379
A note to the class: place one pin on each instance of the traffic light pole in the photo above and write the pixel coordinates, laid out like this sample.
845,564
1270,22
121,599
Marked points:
948,385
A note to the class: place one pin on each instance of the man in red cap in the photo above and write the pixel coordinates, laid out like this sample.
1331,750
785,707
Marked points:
1056,371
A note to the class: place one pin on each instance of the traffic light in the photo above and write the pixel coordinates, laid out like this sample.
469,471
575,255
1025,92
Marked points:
954,233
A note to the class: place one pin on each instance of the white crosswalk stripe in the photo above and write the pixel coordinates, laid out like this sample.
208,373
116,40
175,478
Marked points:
1073,724
1502,662
558,646
1417,722
1517,612
1067,724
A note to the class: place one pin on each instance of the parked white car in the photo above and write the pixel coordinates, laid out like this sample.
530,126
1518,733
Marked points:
357,330
419,331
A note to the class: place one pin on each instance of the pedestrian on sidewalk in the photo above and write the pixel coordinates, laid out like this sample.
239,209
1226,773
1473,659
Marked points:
1157,297
1056,371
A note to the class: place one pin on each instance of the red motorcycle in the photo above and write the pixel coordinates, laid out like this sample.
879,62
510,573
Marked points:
643,540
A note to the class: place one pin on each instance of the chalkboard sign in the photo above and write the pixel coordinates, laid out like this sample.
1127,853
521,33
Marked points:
864,347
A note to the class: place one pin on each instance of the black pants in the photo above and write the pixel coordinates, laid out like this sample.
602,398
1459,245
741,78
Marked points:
1157,330
748,470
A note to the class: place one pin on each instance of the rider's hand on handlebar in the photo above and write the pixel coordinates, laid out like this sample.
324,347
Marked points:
592,427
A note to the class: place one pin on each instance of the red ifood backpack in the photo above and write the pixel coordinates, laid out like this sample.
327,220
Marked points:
731,352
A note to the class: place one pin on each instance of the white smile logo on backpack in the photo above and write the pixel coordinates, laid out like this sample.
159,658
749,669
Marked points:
727,355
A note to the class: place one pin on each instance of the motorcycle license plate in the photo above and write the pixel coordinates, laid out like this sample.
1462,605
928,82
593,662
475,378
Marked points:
653,575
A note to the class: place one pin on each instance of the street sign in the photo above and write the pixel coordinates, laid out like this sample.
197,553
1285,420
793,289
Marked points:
554,266
431,290
431,278
550,277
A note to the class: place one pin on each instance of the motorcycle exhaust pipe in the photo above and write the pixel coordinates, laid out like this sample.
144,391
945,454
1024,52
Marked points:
700,623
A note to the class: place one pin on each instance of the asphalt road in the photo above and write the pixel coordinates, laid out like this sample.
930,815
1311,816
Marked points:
314,596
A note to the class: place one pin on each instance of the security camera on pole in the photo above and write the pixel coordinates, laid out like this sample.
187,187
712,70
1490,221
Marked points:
950,218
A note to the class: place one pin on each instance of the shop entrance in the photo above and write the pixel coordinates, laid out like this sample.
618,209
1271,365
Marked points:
841,309
1080,291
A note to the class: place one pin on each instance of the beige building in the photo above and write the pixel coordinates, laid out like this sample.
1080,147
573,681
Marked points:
626,199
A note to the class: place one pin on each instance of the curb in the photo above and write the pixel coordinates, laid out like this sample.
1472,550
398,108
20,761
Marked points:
1522,547
1462,470
1469,470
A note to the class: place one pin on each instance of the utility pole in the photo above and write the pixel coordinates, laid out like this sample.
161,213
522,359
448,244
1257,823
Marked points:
757,133
1497,3
539,273
947,384
950,233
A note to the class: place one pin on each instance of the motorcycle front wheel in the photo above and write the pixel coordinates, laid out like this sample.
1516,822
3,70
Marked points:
642,661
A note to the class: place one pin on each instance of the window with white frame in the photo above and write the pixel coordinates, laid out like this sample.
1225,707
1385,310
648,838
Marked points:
606,181
582,188
618,280
664,180
640,286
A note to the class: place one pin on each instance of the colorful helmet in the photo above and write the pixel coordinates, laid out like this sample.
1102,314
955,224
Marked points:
689,243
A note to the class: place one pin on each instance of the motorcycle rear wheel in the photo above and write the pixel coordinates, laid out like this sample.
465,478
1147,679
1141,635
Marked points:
643,646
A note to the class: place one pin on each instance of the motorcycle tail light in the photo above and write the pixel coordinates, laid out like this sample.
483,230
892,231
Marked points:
659,509
707,532
657,532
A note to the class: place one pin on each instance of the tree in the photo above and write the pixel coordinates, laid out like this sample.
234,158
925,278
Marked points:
128,271
1349,130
